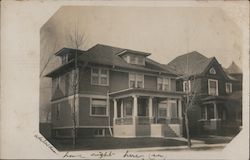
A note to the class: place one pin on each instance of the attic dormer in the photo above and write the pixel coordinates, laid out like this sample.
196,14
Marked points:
134,57
67,54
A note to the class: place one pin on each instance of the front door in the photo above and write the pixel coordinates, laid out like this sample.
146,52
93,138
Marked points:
142,107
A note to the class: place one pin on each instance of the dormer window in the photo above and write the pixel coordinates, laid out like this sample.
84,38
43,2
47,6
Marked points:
134,57
64,58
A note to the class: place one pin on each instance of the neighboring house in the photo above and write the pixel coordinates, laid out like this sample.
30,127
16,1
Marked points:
121,93
217,102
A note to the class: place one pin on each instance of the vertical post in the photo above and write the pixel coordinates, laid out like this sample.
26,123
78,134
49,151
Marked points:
215,111
122,109
179,108
150,107
135,113
206,113
169,109
115,109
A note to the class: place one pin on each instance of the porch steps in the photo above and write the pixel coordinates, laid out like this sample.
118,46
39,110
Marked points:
169,132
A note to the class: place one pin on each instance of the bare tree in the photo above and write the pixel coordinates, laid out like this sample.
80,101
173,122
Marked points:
190,97
77,39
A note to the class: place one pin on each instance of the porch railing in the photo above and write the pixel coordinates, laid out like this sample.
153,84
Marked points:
168,120
141,120
124,121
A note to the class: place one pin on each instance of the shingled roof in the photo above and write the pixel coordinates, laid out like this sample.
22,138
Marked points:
233,69
109,55
192,63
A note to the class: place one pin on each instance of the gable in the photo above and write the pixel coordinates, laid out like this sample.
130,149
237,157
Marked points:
214,69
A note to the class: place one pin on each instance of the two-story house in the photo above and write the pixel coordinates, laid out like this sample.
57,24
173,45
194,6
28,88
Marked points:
120,93
215,107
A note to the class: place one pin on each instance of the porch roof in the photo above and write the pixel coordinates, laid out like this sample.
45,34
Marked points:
145,92
210,99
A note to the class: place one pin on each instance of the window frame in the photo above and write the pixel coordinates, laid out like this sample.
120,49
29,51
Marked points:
136,79
164,83
188,82
217,87
91,105
230,87
99,75
103,132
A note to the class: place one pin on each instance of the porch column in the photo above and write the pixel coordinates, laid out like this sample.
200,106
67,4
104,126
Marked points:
169,109
115,108
122,115
135,113
179,108
150,106
215,111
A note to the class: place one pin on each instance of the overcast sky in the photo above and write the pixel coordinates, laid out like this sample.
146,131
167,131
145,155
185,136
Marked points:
166,32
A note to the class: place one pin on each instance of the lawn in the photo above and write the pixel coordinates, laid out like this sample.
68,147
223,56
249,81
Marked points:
100,143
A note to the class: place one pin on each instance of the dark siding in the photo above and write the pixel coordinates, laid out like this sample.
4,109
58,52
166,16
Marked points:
150,82
118,81
84,114
64,115
85,84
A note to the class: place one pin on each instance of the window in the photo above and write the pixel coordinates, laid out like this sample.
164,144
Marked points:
133,59
212,71
213,87
136,80
58,107
163,84
99,107
187,86
64,58
140,60
229,88
162,111
99,132
128,103
136,59
99,76
173,109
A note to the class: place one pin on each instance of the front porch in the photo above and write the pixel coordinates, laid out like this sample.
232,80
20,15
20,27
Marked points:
147,115
219,116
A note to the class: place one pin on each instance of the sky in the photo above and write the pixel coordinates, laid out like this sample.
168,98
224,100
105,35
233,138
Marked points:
165,32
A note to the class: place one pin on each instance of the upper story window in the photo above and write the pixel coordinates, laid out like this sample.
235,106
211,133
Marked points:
213,87
212,71
229,88
99,107
99,76
136,80
187,86
135,59
163,83
64,58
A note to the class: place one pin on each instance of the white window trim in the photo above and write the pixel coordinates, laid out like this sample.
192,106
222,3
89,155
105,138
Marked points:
164,82
103,133
99,76
230,87
136,77
189,86
217,87
94,115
